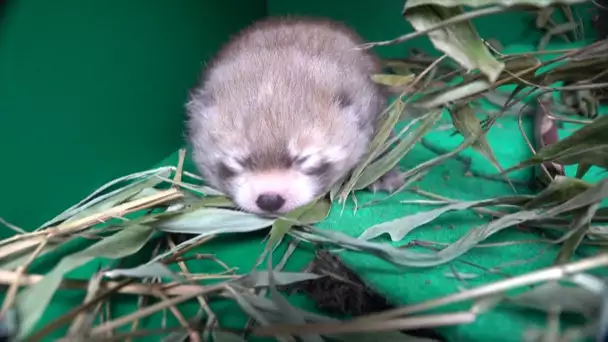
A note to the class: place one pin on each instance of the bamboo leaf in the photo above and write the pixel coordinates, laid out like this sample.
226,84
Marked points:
148,177
469,125
150,270
262,278
126,193
475,235
210,221
569,299
459,41
587,145
291,315
281,226
32,301
399,228
581,221
380,336
393,80
559,190
454,94
380,167
376,146
82,325
502,3
221,336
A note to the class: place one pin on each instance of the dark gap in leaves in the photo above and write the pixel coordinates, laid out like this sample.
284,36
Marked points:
342,292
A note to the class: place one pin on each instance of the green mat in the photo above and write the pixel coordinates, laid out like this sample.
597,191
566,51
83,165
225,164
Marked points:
401,286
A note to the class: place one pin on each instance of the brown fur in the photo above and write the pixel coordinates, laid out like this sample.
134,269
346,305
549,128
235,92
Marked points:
278,87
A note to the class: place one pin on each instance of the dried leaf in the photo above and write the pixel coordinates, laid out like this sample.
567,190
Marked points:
32,301
523,67
569,299
380,336
557,30
148,177
221,336
459,41
82,325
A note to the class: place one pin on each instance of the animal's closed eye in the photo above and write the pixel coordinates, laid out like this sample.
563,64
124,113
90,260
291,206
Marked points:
300,160
224,171
319,170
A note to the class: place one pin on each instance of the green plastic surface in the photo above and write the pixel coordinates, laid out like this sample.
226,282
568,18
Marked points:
93,90
86,96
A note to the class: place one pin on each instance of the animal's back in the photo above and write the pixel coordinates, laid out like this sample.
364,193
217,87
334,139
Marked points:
282,67
316,37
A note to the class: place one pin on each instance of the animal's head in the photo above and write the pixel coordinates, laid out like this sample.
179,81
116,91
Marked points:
274,156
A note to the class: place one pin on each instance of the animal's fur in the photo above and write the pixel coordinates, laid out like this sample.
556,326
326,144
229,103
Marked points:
286,107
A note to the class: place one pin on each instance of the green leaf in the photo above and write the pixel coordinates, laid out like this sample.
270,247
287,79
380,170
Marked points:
125,194
475,235
587,145
210,221
400,227
379,336
376,146
559,190
262,278
460,41
281,226
95,203
393,80
465,90
149,270
469,125
381,166
318,213
32,301
581,221
291,315
502,3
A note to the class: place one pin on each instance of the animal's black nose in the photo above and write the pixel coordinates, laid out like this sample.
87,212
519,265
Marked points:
270,202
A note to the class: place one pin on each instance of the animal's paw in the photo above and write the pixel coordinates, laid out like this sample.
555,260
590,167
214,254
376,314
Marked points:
389,182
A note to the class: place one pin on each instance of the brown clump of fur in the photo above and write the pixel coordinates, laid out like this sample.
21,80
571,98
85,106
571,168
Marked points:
281,91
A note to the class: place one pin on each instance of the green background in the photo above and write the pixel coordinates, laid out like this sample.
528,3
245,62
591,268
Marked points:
90,91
